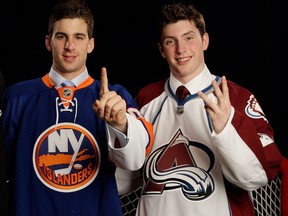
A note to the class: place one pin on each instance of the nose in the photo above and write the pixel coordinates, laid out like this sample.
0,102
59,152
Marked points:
180,48
69,44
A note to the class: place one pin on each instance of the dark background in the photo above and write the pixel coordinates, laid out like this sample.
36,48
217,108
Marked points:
247,44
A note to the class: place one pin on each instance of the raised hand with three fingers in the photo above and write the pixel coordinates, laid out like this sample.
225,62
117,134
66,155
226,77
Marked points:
218,111
110,106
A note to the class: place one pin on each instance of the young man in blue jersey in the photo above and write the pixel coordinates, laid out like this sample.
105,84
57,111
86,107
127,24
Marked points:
211,148
63,143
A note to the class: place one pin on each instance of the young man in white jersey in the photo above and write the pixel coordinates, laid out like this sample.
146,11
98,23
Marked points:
212,147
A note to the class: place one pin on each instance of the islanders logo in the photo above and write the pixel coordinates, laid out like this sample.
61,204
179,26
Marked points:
66,157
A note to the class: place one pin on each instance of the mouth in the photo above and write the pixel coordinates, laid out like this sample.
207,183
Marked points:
184,59
69,58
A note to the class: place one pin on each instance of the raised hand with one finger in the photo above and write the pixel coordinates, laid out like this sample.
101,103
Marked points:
110,106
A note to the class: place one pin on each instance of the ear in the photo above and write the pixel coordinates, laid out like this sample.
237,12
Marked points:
205,41
90,45
47,43
161,50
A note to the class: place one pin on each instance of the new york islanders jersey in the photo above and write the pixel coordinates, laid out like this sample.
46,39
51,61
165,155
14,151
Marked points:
61,157
191,170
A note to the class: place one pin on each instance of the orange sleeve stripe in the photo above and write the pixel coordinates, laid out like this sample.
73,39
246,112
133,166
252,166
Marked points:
149,128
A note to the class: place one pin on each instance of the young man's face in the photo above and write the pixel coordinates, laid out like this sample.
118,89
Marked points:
183,47
70,46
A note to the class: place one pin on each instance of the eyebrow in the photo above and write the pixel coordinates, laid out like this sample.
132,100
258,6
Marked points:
77,34
186,33
189,32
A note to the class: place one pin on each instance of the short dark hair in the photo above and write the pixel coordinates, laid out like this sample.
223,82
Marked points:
71,9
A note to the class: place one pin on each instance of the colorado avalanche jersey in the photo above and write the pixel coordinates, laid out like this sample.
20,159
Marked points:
190,168
60,155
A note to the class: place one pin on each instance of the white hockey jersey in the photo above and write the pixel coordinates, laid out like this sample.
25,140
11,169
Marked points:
190,167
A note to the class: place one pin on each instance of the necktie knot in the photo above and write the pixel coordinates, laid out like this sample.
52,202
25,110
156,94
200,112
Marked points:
182,92
67,83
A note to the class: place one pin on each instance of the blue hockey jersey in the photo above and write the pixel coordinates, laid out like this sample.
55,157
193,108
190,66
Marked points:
61,157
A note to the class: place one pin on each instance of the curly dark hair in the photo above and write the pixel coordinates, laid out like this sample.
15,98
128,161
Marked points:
174,12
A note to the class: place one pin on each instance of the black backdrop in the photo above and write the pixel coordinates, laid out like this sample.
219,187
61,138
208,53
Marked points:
244,37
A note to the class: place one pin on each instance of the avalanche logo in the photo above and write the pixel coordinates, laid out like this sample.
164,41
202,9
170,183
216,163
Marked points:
173,167
66,157
253,109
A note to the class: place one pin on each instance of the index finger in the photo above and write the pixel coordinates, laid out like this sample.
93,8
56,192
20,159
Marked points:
103,81
225,89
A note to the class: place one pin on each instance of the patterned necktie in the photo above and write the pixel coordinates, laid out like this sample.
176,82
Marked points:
182,92
67,83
